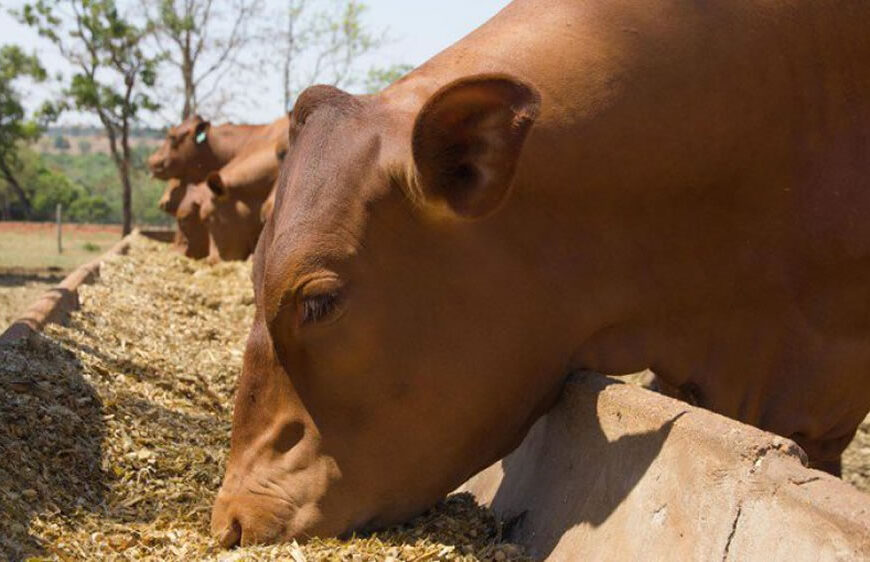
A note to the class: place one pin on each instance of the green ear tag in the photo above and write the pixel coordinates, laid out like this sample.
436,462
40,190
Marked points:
200,137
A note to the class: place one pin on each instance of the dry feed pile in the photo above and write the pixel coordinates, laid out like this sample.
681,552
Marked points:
114,429
856,459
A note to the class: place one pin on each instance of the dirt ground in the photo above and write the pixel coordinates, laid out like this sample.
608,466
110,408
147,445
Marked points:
19,288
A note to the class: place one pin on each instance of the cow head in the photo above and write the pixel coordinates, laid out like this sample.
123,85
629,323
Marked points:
233,223
184,153
393,346
172,196
267,208
193,229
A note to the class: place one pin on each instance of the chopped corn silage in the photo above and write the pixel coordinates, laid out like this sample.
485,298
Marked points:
114,429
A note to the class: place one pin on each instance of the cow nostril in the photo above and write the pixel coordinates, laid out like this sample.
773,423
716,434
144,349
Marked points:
290,434
232,535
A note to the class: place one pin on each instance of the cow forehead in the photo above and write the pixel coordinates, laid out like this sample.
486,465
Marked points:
324,188
332,168
185,125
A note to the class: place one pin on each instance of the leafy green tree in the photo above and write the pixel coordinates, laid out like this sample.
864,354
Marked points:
379,78
112,70
50,189
90,208
15,127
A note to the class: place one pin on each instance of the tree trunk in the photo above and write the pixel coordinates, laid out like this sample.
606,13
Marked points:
127,195
187,77
122,163
127,200
189,95
288,58
16,187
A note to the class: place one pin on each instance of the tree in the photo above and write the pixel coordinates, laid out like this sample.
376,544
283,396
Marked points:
324,46
190,38
379,78
15,128
111,69
61,143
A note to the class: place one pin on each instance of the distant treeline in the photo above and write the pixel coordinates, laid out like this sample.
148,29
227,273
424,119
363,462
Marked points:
86,186
95,131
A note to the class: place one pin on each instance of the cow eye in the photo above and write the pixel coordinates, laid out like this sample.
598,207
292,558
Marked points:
318,308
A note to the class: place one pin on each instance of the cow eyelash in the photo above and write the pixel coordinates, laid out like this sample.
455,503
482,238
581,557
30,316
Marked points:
318,307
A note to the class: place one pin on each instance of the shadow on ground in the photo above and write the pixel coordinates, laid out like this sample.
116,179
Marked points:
51,433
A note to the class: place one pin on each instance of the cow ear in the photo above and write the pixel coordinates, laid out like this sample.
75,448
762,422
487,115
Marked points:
467,139
217,186
200,133
281,149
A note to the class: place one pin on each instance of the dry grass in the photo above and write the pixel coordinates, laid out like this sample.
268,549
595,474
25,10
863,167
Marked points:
114,429
856,459
34,245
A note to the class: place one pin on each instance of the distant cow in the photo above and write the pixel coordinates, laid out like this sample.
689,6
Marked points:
194,148
192,237
233,210
268,207
194,151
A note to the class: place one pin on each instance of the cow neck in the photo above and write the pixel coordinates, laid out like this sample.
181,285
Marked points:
536,230
227,141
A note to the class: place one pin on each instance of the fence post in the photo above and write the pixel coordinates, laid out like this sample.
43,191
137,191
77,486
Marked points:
59,241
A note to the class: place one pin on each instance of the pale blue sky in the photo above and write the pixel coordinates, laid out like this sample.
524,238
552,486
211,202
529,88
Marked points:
420,29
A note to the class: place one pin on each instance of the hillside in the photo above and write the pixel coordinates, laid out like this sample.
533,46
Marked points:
78,140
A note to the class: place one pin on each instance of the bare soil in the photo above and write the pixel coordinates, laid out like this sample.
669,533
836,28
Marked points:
19,288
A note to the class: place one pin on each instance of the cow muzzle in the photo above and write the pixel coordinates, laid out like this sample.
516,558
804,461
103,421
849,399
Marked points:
247,518
158,168
276,489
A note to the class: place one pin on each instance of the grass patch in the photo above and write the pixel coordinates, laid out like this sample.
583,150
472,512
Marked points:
34,245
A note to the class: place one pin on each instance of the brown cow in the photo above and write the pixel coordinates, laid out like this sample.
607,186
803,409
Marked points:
191,239
191,225
607,185
233,213
268,207
172,196
193,150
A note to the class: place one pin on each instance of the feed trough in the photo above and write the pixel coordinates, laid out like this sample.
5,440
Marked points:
117,388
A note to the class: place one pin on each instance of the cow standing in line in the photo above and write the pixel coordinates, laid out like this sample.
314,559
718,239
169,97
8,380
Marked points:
234,210
192,152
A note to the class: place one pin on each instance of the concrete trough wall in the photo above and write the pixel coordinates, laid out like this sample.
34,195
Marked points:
615,472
